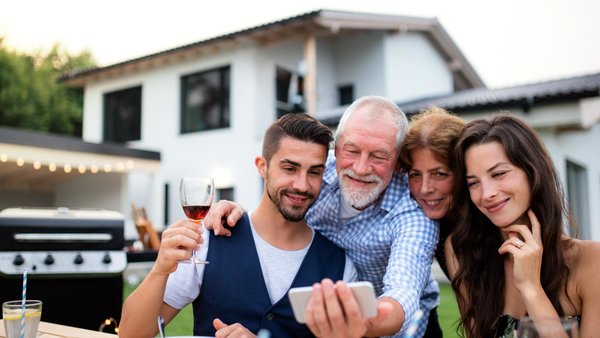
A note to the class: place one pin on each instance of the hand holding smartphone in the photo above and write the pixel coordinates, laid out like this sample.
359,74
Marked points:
362,291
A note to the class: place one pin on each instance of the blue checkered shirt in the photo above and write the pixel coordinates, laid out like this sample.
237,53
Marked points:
391,243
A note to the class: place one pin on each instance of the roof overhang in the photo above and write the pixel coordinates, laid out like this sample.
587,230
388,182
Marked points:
37,162
318,23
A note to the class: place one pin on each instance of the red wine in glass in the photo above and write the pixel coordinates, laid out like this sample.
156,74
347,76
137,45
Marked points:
196,213
196,195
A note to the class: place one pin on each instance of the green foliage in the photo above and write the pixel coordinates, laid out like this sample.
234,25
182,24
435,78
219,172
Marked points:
31,97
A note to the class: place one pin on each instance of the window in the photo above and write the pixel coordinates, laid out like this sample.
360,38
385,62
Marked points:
289,94
346,94
577,196
166,205
225,194
123,115
205,100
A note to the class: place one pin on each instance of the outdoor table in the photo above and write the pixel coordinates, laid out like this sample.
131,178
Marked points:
51,330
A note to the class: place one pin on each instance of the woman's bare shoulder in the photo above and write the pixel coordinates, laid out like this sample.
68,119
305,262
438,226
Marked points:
586,265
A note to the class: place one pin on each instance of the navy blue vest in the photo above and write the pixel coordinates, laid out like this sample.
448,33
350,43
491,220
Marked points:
233,288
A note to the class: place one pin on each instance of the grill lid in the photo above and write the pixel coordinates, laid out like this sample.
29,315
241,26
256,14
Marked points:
60,229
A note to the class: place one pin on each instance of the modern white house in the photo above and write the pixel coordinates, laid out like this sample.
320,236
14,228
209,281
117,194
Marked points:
204,107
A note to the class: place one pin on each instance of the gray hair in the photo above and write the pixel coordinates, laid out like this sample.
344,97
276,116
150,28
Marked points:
378,107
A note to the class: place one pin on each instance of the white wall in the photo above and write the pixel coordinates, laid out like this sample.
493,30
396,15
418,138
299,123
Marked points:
359,60
581,147
413,68
225,154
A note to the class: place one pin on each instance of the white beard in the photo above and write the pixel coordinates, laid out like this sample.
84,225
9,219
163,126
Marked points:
360,198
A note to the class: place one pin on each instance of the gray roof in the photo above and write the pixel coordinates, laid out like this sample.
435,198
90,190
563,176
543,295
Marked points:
524,96
9,135
319,22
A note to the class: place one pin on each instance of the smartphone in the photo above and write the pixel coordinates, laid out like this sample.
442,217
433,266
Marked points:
363,292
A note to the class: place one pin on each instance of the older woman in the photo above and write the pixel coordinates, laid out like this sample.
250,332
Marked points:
426,156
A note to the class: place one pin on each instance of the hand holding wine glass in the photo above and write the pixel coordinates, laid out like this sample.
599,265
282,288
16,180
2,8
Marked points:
196,197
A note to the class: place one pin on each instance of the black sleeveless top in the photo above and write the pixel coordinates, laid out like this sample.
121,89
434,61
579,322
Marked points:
440,255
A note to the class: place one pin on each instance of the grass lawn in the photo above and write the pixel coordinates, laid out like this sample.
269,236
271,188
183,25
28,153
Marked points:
447,312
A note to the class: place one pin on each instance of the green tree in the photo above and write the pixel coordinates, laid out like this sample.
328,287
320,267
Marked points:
32,97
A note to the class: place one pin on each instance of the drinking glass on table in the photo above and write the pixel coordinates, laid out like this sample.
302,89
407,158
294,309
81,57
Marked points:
12,312
548,328
196,197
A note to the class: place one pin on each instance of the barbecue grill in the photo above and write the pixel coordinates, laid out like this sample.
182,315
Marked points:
74,260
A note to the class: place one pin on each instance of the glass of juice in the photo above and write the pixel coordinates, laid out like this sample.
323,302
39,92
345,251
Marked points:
12,312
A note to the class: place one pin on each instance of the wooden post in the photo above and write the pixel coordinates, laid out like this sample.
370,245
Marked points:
310,78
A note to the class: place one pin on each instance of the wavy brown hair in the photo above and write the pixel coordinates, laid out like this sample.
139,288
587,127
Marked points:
479,281
434,129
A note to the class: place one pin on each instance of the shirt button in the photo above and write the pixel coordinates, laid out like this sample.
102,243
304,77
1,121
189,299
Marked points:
270,316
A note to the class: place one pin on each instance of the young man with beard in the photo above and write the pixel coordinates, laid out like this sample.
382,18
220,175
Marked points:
244,288
365,207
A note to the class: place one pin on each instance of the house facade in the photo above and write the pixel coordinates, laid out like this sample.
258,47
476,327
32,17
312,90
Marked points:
205,106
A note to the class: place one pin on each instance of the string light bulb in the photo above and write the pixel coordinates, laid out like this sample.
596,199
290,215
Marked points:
108,322
37,165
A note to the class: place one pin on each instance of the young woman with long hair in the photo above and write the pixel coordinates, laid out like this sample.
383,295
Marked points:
512,253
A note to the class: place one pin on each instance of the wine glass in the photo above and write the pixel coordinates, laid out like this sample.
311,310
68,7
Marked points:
196,195
548,328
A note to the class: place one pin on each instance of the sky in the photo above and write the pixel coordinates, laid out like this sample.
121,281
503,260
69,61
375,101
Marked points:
508,42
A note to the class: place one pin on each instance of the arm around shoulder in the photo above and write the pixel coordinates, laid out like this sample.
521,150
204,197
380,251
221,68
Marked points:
220,213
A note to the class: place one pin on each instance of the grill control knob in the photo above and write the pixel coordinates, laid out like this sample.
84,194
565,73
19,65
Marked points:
19,260
49,260
106,259
78,259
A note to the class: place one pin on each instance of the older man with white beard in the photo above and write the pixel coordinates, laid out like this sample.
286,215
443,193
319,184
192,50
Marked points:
365,207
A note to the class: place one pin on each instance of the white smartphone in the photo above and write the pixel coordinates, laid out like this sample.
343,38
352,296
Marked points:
363,292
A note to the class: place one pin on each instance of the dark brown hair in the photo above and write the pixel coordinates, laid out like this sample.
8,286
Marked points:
479,282
299,126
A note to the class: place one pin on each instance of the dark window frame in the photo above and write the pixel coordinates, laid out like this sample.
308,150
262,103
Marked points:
116,128
345,94
202,122
285,101
578,196
227,193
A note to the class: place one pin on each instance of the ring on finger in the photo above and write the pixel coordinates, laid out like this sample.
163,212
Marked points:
519,243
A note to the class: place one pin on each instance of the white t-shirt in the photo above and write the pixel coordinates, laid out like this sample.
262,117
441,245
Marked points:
279,267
